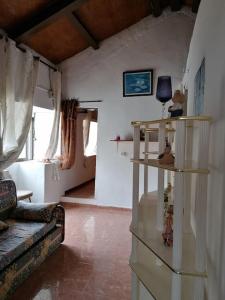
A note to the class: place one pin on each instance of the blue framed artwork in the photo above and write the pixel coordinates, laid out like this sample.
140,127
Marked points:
138,83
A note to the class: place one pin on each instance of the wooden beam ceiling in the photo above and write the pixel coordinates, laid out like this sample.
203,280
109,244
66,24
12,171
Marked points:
104,18
176,5
59,29
57,41
82,30
43,18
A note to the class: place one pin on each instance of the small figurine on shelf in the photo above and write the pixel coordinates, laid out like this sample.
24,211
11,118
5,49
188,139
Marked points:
166,158
167,197
176,109
168,229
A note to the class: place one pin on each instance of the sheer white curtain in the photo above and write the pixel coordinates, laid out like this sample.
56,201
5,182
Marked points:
55,78
18,76
86,130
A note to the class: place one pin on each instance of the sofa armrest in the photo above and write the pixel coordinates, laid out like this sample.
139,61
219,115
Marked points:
34,211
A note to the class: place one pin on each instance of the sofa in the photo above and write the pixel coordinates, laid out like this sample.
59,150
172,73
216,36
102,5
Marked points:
29,232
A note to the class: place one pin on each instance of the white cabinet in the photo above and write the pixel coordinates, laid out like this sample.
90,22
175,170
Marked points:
177,272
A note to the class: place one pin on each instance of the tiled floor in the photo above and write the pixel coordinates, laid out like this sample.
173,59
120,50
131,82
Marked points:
92,263
86,190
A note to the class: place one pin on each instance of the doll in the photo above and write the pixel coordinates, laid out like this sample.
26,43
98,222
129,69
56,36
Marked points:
166,158
167,198
168,228
176,109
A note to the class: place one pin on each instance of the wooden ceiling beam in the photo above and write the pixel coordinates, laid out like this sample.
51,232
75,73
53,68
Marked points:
176,5
156,7
83,30
41,19
195,5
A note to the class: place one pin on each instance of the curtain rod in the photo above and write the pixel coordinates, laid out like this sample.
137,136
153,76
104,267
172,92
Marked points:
35,57
90,101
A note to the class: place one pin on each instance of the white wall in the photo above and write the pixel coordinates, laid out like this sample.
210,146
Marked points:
30,175
208,41
159,43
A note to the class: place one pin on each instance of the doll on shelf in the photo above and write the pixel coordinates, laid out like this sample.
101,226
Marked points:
176,109
167,198
168,228
166,158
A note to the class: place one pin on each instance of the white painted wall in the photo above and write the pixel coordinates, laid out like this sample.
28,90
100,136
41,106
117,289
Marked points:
208,41
30,175
158,43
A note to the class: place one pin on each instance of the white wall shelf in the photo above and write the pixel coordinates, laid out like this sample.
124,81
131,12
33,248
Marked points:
160,281
189,166
177,272
147,233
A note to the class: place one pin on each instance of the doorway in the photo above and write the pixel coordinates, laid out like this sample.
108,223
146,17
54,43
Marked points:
86,151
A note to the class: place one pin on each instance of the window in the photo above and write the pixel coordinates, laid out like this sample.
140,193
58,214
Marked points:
43,120
91,148
39,135
27,151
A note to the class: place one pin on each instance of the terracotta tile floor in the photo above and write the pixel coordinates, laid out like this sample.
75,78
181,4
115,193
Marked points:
86,190
92,263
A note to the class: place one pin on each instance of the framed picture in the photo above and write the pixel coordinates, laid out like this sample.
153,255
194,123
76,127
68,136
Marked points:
138,83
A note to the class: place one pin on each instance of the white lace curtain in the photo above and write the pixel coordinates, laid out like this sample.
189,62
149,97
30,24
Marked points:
55,79
18,76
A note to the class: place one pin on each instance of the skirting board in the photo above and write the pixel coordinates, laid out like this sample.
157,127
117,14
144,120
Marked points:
89,201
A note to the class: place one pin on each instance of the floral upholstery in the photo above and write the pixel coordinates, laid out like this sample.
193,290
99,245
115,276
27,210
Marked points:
34,232
20,236
21,268
8,198
33,211
3,226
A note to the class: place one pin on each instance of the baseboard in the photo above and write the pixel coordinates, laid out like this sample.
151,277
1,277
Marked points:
90,202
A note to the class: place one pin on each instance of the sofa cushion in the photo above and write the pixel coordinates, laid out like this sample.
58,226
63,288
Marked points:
8,198
33,211
20,236
3,226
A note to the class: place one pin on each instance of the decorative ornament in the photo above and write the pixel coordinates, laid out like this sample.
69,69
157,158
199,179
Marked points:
166,158
168,228
176,109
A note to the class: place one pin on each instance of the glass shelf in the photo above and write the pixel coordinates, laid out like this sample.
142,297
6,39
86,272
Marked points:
147,234
163,284
190,166
170,120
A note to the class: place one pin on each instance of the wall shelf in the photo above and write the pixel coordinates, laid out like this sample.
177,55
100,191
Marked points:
190,167
118,141
171,120
159,280
146,232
